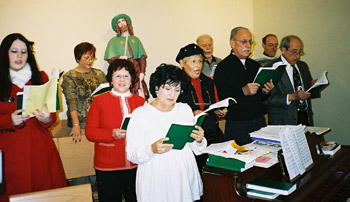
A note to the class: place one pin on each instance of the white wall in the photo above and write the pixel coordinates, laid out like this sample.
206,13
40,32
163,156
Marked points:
57,26
165,26
324,27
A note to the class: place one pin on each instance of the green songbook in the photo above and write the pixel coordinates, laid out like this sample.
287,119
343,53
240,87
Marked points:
271,186
227,167
125,122
265,74
179,134
227,161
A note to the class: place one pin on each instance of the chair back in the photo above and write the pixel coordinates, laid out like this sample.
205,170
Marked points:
77,157
77,193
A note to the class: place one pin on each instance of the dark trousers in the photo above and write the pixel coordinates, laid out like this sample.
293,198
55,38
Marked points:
303,118
112,184
239,130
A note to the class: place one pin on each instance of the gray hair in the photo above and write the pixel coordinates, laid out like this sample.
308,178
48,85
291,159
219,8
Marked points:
285,42
234,32
203,36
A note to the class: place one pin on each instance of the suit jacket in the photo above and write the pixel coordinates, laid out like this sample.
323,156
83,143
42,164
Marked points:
279,113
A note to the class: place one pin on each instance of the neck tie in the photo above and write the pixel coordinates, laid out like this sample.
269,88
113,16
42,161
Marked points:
298,86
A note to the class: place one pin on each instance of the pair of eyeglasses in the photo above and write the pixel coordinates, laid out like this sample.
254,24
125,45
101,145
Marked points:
90,58
172,89
120,76
245,41
202,103
296,52
270,45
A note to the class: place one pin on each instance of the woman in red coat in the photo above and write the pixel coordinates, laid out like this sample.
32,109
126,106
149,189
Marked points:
114,173
31,161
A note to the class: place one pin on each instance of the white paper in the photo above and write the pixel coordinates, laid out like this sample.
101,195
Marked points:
294,148
322,80
101,86
220,104
291,165
302,145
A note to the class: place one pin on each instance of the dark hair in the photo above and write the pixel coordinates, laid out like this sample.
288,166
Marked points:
5,81
285,42
265,37
167,74
119,64
82,48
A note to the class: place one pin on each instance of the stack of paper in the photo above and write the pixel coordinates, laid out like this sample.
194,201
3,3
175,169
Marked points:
223,155
269,133
269,157
330,147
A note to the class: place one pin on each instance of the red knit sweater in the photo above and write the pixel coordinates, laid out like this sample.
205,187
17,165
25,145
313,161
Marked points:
106,114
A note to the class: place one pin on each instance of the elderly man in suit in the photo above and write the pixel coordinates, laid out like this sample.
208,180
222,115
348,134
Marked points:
289,103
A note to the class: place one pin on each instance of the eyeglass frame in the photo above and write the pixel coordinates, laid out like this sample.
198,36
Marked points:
270,45
245,41
89,58
296,52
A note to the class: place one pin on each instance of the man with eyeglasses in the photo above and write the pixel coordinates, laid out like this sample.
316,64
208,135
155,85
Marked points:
210,62
234,77
270,44
289,104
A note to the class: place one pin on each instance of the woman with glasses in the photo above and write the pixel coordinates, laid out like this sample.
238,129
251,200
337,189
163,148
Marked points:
200,94
164,174
114,173
77,86
31,161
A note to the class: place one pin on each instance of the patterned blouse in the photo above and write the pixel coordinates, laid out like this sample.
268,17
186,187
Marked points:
77,88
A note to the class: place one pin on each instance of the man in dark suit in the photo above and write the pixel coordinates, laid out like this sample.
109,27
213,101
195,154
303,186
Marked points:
289,104
233,78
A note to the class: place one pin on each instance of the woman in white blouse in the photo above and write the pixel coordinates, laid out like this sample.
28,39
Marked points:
164,174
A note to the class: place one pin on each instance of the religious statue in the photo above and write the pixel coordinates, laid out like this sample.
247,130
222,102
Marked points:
127,46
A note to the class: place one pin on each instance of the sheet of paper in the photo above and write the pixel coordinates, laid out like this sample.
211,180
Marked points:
302,145
291,165
294,148
322,80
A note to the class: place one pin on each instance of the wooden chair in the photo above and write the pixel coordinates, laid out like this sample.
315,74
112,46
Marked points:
77,193
77,158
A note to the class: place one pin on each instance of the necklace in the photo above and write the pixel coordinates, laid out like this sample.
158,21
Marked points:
88,82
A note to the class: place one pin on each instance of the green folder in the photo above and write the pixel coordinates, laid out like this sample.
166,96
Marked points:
265,74
125,123
179,134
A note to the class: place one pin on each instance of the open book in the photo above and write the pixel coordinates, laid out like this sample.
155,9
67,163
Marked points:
320,84
179,133
35,96
102,88
265,74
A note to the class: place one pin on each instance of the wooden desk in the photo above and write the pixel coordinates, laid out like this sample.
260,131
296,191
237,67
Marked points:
319,183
